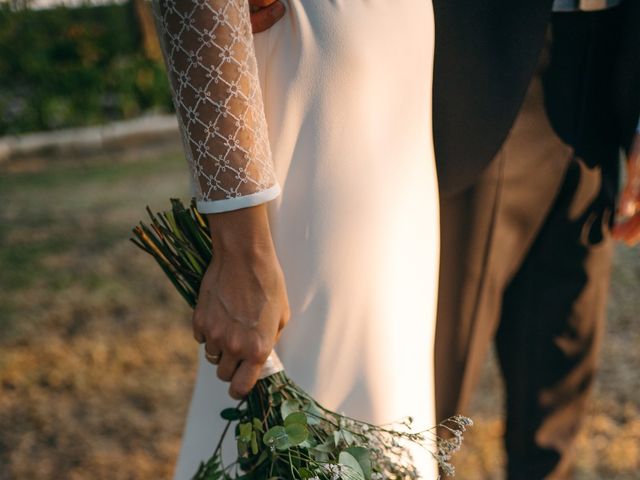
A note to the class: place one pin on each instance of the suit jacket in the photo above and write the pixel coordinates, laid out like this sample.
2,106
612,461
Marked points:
486,54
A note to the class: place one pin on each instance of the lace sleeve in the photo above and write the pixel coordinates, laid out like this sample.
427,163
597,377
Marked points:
208,51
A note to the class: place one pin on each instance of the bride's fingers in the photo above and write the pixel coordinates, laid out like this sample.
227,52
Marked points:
244,379
212,352
264,18
283,323
227,366
199,337
261,3
198,325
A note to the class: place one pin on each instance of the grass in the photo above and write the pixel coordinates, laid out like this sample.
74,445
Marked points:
96,355
96,359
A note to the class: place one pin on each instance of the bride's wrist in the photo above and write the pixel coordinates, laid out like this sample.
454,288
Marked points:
243,232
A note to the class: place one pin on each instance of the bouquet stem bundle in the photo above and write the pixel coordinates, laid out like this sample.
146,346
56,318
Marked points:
280,431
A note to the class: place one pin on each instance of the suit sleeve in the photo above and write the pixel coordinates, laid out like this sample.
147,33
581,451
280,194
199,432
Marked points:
209,55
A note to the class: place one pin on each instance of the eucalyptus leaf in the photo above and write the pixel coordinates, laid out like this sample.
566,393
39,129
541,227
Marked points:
318,456
314,413
288,407
337,438
231,414
310,442
363,456
347,436
326,447
306,473
346,459
296,433
276,437
295,417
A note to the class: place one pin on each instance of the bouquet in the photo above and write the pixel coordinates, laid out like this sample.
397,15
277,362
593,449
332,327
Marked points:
280,431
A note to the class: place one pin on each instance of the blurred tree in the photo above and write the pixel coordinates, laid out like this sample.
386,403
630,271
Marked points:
62,67
19,4
146,24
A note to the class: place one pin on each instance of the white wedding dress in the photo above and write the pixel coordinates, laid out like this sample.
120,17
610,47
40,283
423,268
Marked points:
327,116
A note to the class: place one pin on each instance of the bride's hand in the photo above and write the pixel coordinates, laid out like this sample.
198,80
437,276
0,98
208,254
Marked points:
242,304
265,14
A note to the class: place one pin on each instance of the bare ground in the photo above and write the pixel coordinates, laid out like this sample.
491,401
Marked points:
97,360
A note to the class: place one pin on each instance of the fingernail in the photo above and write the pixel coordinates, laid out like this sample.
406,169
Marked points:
235,394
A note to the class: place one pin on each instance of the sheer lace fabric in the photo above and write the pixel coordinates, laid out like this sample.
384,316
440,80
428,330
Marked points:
209,55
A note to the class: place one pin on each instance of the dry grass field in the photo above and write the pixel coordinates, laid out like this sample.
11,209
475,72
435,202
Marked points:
97,360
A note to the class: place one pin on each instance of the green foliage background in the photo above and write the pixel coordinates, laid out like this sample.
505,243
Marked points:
67,67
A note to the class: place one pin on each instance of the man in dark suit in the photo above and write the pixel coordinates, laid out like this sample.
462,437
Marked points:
531,109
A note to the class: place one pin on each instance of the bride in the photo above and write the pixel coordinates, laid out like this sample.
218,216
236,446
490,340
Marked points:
311,155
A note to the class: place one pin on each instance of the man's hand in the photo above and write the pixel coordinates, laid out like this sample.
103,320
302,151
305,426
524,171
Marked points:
628,230
265,13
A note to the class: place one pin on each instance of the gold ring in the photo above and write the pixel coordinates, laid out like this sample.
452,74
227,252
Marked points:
212,358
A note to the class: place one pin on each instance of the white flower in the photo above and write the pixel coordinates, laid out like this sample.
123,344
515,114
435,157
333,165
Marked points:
333,470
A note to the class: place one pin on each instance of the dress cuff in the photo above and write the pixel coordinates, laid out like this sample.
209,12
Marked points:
236,203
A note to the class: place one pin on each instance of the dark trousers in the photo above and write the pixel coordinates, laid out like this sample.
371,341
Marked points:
526,255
